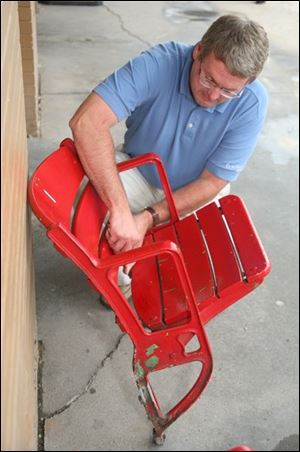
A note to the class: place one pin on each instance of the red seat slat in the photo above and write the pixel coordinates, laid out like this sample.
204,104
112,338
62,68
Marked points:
247,242
227,271
196,259
175,307
146,290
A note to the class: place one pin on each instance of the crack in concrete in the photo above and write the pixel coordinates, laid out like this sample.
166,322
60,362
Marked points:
89,383
123,27
288,443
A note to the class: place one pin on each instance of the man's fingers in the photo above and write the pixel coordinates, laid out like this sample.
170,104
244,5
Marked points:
128,268
112,240
118,246
121,242
122,246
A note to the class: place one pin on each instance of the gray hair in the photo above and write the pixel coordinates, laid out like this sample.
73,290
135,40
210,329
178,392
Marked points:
241,44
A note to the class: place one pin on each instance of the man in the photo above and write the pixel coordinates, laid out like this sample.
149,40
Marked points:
199,107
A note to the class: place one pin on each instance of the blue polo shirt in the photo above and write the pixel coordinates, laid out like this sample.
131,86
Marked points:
152,91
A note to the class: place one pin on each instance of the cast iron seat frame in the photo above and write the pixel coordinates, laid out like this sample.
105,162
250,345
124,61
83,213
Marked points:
186,272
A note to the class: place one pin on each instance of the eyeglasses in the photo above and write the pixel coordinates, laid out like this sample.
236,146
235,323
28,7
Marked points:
207,82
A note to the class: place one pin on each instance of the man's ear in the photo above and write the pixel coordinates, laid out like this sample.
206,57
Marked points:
197,50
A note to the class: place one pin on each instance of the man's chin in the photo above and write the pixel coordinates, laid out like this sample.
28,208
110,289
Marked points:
209,104
202,100
206,103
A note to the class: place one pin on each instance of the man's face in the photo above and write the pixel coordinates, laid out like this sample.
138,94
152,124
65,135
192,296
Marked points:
211,82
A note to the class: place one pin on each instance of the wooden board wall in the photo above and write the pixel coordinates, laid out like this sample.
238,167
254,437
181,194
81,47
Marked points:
18,319
28,42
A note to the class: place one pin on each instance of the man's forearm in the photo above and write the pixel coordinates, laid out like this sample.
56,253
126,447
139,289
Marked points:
98,159
91,126
192,196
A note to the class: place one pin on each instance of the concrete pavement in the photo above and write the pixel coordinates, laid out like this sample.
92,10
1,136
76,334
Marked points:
89,399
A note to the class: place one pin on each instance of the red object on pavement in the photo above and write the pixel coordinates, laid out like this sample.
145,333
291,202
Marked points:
241,448
186,272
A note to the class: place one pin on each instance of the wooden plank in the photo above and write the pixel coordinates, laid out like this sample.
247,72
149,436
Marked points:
18,327
24,4
26,40
25,14
8,17
9,55
25,28
27,53
30,90
28,68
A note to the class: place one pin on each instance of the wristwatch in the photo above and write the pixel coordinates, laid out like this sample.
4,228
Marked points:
155,216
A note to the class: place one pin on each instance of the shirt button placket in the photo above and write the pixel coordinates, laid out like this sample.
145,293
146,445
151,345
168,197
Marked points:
190,127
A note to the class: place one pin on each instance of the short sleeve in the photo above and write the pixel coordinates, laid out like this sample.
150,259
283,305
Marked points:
239,141
131,85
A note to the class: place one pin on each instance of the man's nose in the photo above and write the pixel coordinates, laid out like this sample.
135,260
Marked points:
214,93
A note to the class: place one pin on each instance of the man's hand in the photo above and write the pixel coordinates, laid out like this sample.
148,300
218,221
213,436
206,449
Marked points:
126,232
122,234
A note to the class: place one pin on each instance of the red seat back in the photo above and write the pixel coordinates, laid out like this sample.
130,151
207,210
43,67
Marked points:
60,193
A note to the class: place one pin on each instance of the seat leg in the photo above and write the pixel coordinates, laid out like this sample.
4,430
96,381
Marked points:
158,439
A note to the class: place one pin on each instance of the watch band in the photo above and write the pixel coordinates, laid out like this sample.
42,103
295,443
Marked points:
155,216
